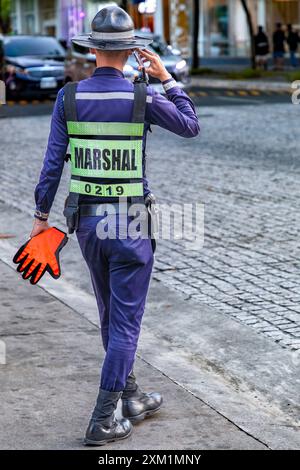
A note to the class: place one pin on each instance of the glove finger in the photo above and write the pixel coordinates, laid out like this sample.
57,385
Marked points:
26,268
54,268
24,263
21,253
30,269
38,273
21,261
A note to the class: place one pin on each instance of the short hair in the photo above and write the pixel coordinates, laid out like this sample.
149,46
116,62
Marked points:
114,54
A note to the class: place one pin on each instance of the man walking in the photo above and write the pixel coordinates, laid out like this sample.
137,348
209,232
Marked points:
278,47
261,48
105,118
293,42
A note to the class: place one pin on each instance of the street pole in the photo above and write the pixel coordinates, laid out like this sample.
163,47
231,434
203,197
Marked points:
124,5
195,57
251,32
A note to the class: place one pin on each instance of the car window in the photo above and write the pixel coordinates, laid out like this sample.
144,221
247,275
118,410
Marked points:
32,46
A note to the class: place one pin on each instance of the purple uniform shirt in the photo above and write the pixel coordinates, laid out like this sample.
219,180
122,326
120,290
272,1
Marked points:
113,103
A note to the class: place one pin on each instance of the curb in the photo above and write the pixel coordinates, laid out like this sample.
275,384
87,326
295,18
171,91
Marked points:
253,92
241,84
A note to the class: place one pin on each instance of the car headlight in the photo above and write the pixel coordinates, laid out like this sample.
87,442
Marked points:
181,64
128,68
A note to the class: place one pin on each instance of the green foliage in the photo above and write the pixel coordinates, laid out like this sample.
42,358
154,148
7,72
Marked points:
245,74
292,76
203,71
5,9
5,6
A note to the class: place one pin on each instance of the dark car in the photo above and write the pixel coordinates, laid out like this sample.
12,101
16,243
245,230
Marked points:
32,65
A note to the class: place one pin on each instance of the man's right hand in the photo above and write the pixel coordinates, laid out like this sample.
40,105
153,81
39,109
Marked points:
156,68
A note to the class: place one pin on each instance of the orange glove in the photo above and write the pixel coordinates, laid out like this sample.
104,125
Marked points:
41,254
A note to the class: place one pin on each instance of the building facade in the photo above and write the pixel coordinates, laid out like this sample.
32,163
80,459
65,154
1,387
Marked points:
60,18
223,29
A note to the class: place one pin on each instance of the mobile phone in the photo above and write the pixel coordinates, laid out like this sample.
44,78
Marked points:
141,64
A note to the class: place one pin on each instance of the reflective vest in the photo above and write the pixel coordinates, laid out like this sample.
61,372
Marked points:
96,157
106,157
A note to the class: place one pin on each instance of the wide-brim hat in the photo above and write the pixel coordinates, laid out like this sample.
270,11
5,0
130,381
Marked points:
112,29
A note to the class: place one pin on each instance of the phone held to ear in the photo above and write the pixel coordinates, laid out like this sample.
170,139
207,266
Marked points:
141,64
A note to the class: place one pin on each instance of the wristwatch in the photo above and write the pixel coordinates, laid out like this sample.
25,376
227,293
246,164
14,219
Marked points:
43,216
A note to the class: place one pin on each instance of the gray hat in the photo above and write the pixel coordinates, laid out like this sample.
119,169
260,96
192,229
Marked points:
112,29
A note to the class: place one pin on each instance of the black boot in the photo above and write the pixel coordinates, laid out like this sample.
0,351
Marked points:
103,426
137,405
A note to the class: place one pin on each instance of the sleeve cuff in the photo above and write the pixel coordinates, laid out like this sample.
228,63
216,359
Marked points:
41,215
169,84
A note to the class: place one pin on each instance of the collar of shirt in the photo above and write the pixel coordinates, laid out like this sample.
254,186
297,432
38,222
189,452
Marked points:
111,71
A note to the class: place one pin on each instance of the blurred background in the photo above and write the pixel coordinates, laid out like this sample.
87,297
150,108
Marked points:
236,39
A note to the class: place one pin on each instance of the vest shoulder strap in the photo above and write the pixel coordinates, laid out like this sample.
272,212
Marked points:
70,101
139,103
138,115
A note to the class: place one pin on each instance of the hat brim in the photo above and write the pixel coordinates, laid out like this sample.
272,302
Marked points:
137,42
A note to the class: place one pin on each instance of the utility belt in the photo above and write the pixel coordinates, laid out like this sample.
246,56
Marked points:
120,208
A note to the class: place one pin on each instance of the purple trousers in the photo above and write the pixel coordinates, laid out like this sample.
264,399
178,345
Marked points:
120,272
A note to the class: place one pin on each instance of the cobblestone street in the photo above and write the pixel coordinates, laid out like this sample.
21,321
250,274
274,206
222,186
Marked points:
245,168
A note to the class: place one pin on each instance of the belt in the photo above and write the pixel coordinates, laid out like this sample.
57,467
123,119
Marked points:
87,210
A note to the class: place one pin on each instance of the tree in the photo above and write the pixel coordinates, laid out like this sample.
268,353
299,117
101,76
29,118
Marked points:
195,57
251,32
5,16
124,5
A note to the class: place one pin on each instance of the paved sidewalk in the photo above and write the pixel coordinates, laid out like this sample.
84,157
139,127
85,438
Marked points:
50,380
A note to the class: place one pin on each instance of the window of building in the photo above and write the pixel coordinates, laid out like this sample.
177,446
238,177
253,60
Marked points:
28,18
47,17
13,16
216,28
286,11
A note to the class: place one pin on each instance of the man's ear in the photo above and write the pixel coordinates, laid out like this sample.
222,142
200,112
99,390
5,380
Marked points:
93,51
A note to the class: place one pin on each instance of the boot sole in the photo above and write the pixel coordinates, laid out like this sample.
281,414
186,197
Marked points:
138,418
89,442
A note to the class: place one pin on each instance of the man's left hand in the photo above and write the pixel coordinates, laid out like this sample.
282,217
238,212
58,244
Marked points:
39,226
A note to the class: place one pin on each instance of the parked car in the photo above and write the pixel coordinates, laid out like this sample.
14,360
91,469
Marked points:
32,65
80,64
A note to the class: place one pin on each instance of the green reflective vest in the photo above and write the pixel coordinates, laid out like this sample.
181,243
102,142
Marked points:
95,154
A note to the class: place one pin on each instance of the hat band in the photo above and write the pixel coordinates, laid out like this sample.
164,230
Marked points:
118,35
